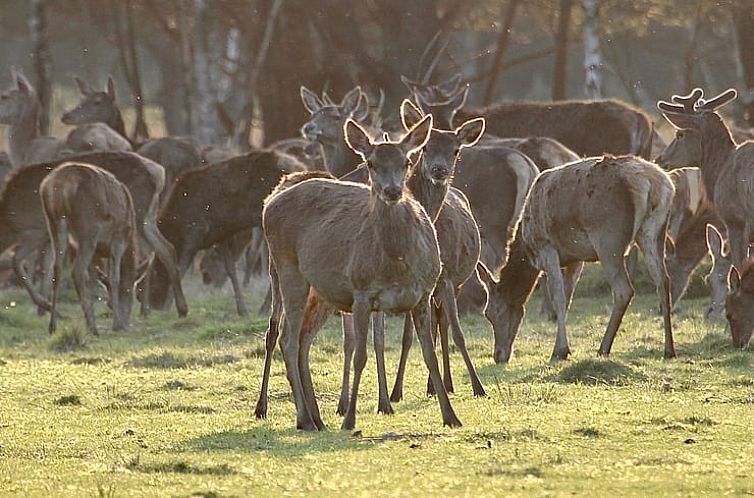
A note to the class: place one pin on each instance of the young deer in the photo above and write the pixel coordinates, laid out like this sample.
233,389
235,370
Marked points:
92,208
592,210
360,249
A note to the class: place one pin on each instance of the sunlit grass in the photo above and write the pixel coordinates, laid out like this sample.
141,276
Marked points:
166,409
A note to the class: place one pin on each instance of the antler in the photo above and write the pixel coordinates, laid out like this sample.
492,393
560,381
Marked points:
689,101
717,102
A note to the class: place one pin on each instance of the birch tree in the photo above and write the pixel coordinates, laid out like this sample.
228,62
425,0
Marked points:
592,57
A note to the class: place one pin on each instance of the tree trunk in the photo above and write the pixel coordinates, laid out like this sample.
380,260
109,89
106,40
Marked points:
206,123
42,61
743,21
503,41
141,131
561,51
186,50
592,57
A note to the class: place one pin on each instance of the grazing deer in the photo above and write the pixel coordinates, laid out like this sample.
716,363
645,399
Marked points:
207,206
24,226
92,208
592,210
173,153
359,249
739,304
718,276
726,167
19,109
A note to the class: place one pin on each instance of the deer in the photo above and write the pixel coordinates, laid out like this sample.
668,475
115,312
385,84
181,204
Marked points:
19,109
209,205
718,276
589,128
725,166
175,154
739,304
89,206
24,228
390,265
591,210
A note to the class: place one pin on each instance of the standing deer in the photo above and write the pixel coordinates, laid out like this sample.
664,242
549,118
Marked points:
726,167
592,210
24,227
19,109
92,208
360,249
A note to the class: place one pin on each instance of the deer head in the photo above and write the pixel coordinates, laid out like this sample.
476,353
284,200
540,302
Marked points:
739,305
327,121
19,100
440,154
692,112
94,107
388,163
502,312
443,110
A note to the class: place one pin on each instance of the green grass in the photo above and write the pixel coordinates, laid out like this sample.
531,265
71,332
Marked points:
166,409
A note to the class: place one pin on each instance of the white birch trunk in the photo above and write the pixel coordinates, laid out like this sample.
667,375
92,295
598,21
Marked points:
593,63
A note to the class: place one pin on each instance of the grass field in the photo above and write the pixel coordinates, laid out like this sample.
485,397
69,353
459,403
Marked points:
166,410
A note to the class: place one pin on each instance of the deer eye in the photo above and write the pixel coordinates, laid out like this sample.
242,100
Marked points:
679,134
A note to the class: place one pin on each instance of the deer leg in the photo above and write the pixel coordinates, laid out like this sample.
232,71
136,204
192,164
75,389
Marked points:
315,316
551,265
408,337
252,254
116,257
267,300
45,259
440,329
81,264
349,342
571,276
378,329
614,265
420,314
166,253
20,255
547,309
59,248
654,255
450,309
361,311
271,338
295,291
230,268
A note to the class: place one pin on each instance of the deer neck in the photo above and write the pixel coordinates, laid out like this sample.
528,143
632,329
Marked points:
117,124
430,195
519,275
21,134
339,159
717,148
394,226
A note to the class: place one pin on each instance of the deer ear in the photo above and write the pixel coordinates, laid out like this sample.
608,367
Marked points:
485,275
457,101
362,109
23,84
351,101
110,88
451,85
417,137
83,86
410,114
326,98
357,139
714,242
310,100
680,120
470,132
734,279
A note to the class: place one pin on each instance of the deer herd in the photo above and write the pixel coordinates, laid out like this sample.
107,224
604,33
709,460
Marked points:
438,211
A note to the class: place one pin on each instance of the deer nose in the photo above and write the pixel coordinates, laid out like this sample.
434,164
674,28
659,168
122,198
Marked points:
309,130
393,193
438,172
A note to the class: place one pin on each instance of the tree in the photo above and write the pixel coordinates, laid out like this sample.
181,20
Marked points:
42,61
592,56
559,77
